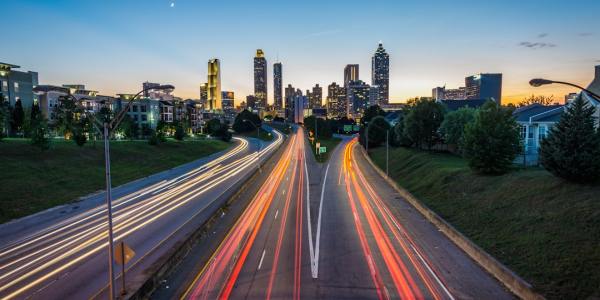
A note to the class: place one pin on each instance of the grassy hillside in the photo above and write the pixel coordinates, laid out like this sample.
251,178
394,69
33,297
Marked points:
31,181
543,228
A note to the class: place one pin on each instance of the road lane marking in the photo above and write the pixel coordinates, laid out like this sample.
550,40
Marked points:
315,271
261,259
276,213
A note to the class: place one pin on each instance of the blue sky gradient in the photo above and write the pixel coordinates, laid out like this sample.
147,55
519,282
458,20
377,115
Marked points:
112,46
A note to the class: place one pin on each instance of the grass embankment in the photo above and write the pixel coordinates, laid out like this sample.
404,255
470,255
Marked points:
263,135
31,181
543,228
329,144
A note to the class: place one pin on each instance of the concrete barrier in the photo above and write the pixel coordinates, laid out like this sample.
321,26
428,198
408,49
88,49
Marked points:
512,281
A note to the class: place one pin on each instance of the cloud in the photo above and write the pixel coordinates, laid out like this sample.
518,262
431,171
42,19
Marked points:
585,34
326,32
542,35
536,45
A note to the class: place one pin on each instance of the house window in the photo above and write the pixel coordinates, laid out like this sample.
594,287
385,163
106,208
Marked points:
135,108
5,86
523,131
543,132
143,108
16,87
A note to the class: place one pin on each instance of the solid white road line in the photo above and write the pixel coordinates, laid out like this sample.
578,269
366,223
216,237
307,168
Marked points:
309,224
316,260
262,257
276,213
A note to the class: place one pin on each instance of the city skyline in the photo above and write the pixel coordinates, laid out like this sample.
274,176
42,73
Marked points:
525,40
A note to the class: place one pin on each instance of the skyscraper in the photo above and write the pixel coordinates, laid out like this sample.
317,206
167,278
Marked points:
380,73
350,74
260,79
290,91
315,97
335,95
203,94
484,86
214,85
358,98
277,86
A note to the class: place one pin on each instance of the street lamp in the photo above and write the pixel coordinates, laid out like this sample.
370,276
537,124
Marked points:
537,82
108,129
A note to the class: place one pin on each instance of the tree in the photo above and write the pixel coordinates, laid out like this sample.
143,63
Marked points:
65,123
241,125
213,125
370,113
453,126
4,117
377,129
179,132
491,140
323,129
128,127
39,133
18,117
422,122
572,149
541,99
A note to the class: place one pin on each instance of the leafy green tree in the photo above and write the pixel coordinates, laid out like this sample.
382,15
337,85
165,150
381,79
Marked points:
572,149
241,126
213,125
80,138
453,126
65,116
153,138
128,127
224,134
370,113
398,135
323,129
4,116
179,132
422,122
491,141
18,117
377,129
39,133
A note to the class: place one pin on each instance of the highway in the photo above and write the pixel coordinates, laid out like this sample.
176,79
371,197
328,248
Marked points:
336,231
66,258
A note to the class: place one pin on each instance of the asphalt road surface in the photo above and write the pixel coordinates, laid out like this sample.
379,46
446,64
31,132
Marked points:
58,255
336,231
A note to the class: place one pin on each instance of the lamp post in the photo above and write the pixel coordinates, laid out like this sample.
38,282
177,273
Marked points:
537,82
108,128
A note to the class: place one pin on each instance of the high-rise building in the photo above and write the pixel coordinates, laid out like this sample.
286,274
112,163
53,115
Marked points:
374,96
441,93
290,91
227,104
315,97
164,95
380,73
277,86
214,85
260,79
335,98
300,103
350,74
203,94
358,98
251,102
484,86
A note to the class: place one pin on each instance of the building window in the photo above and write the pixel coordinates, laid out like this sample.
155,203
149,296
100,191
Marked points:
16,87
144,118
5,86
135,108
523,131
143,108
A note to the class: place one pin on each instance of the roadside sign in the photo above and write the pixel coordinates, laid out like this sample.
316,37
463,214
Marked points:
356,128
322,150
123,254
347,128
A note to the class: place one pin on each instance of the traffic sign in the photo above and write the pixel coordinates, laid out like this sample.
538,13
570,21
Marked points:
322,150
123,253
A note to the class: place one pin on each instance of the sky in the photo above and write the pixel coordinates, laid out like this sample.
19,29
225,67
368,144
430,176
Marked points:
112,46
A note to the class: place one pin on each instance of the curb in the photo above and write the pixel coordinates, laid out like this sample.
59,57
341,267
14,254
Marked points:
508,278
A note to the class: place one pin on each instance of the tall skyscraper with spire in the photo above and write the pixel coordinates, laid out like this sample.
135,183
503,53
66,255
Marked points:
277,86
260,79
380,73
214,85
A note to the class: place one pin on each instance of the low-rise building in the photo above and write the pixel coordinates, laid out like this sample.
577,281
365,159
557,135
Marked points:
16,85
535,122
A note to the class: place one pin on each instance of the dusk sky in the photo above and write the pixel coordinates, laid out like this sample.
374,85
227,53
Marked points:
113,46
